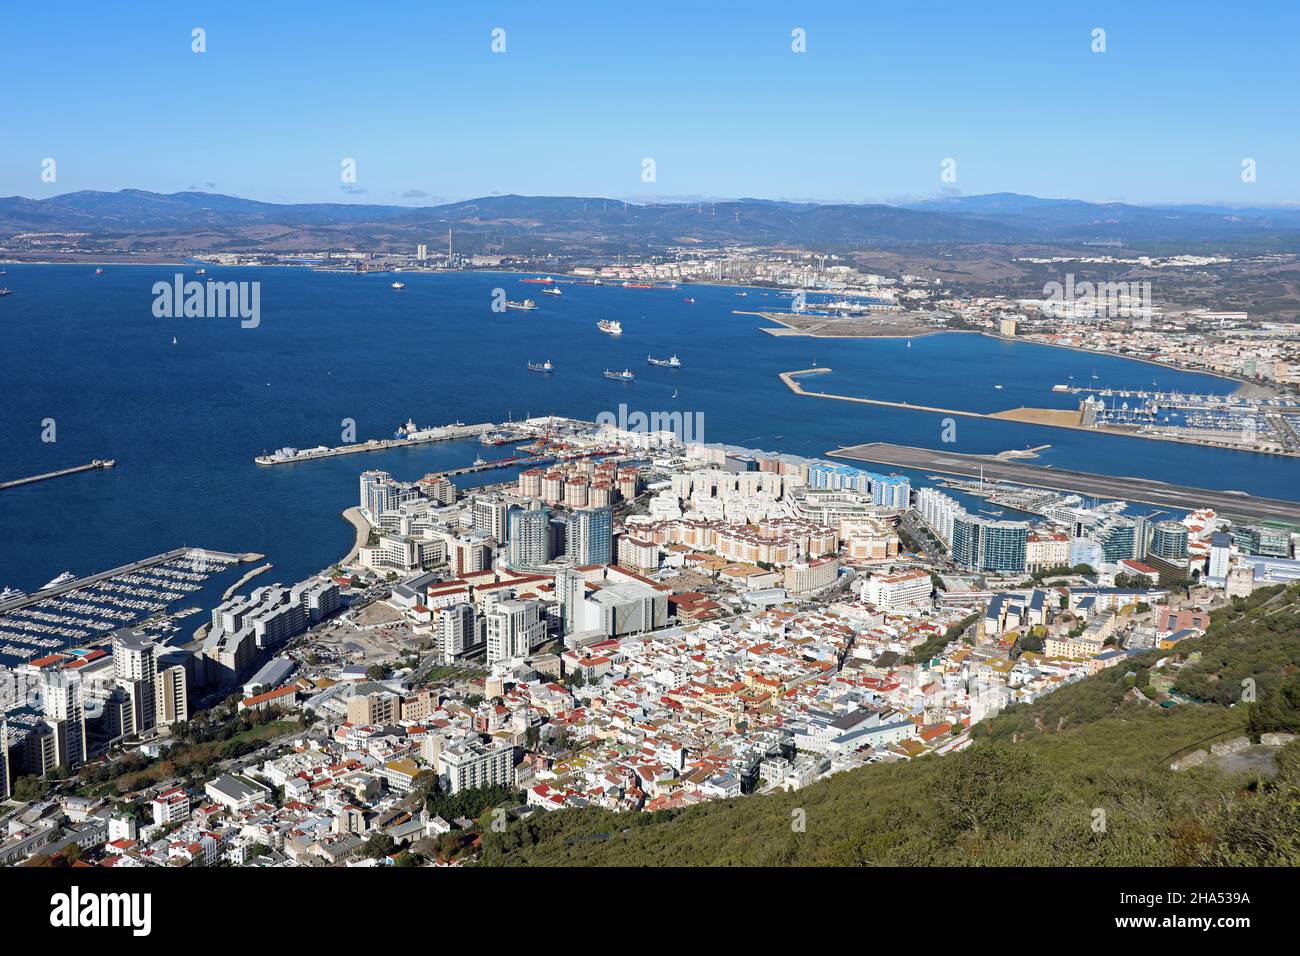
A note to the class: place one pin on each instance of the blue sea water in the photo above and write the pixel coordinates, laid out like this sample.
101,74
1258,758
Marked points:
184,421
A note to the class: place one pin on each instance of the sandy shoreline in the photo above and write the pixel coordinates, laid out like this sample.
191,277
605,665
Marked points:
362,529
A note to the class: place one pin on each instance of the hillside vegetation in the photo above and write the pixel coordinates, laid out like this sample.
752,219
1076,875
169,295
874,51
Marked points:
1079,777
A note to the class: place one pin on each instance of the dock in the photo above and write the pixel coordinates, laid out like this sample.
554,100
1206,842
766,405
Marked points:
1234,504
95,465
289,456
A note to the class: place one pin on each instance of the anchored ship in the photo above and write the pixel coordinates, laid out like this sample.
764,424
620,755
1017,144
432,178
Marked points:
540,367
553,290
673,362
623,376
541,280
526,306
610,326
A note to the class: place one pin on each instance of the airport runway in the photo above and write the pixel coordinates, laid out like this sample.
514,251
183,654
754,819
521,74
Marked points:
1143,490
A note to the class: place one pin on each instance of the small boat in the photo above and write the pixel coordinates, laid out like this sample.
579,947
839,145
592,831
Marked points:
478,461
673,362
398,285
63,578
540,367
553,290
6,291
909,343
610,326
526,306
99,272
173,340
674,393
623,376
200,272
997,386
688,300
741,295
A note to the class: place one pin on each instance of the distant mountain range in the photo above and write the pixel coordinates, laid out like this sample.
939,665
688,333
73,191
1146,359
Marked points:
133,220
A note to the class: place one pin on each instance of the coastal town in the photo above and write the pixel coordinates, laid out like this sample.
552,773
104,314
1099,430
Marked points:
639,622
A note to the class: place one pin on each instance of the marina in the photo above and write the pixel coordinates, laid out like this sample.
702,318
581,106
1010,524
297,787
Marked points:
73,611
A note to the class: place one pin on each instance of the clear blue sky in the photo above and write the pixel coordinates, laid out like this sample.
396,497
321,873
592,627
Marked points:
710,90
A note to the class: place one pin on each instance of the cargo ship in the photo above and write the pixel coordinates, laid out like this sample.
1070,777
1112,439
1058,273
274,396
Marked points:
673,362
610,326
637,285
540,366
540,280
623,376
553,290
526,306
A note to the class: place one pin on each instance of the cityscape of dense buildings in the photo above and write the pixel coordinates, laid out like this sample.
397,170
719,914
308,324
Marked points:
642,624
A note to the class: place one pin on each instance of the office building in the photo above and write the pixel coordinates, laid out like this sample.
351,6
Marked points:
1169,541
514,629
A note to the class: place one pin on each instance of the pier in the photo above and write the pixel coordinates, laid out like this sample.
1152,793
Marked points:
95,465
1228,503
289,456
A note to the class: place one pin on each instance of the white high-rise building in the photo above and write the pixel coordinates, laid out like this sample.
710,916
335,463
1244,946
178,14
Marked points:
570,592
135,671
514,628
459,631
64,715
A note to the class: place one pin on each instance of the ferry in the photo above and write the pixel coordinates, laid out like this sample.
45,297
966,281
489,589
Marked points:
610,326
540,367
541,280
399,285
623,376
63,578
526,306
673,362
554,290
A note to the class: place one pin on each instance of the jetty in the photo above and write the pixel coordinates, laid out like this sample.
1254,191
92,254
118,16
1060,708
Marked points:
93,466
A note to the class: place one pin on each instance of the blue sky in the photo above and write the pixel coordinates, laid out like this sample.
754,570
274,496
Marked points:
711,91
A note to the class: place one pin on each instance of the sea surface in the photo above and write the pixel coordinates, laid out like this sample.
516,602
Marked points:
185,420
